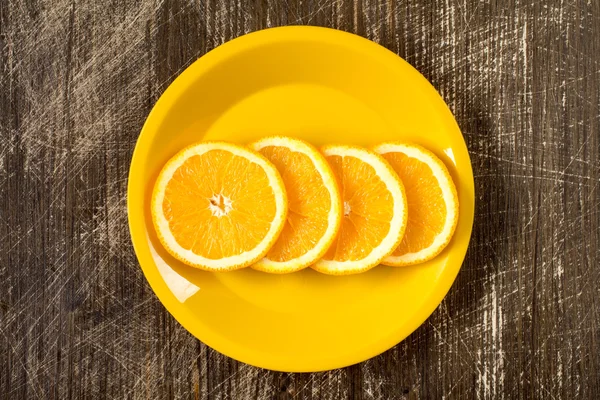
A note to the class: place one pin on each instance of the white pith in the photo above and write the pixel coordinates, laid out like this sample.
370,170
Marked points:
220,205
347,208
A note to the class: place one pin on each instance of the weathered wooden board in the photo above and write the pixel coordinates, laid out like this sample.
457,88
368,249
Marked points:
77,318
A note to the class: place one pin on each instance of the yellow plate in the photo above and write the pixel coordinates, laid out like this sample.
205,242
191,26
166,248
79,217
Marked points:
324,86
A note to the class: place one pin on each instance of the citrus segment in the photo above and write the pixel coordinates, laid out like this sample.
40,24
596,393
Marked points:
374,207
432,202
314,204
218,206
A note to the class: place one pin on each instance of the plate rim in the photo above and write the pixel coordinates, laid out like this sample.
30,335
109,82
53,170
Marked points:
161,108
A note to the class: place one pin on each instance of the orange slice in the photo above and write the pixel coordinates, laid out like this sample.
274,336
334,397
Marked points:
432,202
218,206
315,207
374,211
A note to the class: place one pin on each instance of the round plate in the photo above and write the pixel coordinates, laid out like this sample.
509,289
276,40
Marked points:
325,86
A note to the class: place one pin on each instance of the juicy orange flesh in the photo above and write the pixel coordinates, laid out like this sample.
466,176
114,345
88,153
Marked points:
426,207
370,206
219,176
308,201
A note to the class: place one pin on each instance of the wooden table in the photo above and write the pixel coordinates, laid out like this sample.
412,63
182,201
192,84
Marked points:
77,318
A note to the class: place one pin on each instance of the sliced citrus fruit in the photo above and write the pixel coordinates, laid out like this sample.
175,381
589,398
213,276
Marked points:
314,204
218,206
432,202
374,208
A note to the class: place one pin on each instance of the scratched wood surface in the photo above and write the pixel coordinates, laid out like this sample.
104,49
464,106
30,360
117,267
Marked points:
77,318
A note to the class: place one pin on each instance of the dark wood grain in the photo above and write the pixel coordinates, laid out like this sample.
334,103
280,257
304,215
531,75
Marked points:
77,318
